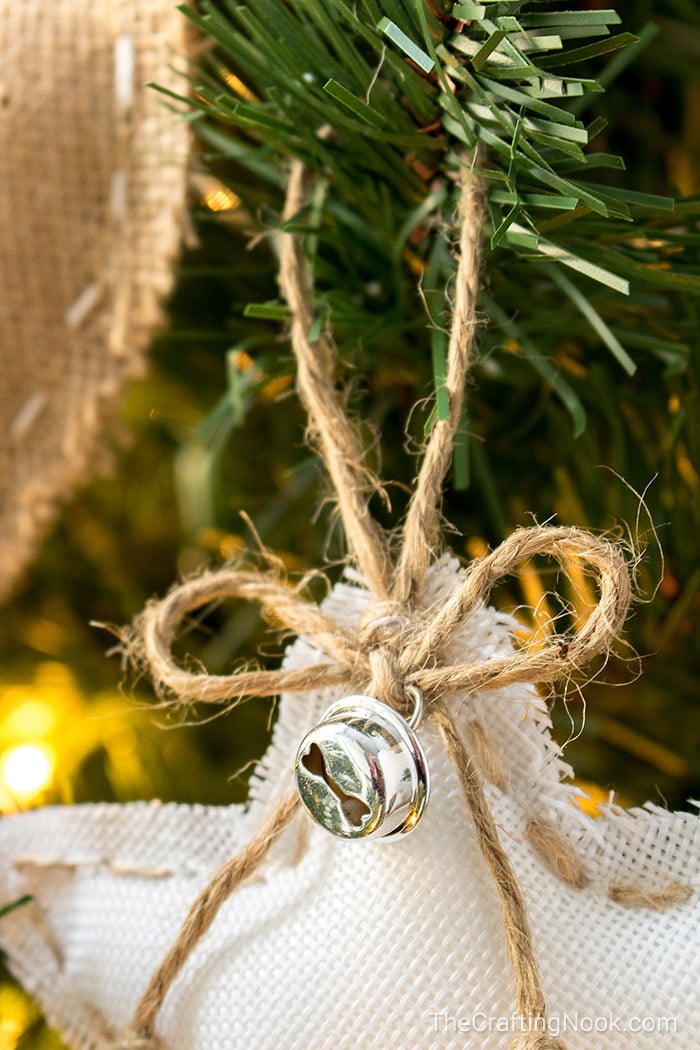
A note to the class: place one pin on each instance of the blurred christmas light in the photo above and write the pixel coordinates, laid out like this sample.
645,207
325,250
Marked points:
274,388
476,547
237,85
31,719
27,769
17,1014
218,198
686,470
591,797
539,609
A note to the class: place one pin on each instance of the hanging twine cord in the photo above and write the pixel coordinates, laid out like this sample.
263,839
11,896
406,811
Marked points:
398,643
339,442
422,527
528,988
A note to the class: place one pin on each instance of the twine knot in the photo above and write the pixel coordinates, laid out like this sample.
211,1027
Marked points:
383,624
381,636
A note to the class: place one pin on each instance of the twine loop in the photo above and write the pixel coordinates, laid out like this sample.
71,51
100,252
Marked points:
392,647
383,624
398,645
381,635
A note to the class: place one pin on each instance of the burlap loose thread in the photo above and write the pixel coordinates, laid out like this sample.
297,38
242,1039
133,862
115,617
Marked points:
399,643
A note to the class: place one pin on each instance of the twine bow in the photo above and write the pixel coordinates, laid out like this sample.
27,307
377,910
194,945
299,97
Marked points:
398,642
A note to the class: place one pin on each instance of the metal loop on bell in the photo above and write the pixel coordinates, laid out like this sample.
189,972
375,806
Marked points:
362,772
417,715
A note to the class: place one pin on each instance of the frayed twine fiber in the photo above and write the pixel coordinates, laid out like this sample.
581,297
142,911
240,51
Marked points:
398,644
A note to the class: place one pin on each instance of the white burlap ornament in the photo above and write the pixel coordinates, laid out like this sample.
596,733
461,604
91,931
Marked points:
507,919
347,944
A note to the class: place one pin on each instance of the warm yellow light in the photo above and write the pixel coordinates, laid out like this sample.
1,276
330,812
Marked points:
237,85
27,769
686,470
592,797
17,1014
275,387
29,720
476,547
228,545
218,198
536,598
241,361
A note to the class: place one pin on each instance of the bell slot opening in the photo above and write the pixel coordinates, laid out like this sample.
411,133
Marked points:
354,808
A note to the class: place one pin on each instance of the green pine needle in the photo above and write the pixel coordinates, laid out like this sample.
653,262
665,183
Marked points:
385,102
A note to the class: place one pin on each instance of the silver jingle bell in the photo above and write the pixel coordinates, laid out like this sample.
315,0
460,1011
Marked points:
362,772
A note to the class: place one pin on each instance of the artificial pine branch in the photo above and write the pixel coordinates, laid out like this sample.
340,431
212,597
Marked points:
403,95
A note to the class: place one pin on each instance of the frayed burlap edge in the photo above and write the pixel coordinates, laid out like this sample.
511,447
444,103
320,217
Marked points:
92,205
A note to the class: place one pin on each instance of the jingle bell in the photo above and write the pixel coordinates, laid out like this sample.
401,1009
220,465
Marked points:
362,771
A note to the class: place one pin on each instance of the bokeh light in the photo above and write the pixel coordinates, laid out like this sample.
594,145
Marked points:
27,770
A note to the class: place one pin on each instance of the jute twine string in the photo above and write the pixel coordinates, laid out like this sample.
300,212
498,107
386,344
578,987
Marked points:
339,442
422,528
399,643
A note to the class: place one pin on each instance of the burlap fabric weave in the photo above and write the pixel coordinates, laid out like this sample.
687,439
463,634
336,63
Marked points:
92,186
336,944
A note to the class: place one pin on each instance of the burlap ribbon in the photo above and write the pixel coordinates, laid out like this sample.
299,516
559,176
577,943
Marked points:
399,643
93,178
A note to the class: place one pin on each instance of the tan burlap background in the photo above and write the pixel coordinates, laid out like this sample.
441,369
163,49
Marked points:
92,188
